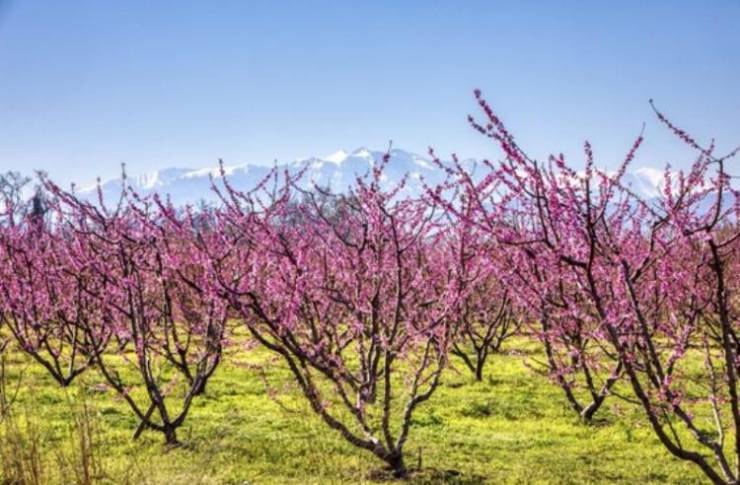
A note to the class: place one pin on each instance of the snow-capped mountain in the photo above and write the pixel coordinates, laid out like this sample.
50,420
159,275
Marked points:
336,171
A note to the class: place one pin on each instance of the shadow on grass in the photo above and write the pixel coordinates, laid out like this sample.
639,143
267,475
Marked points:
427,476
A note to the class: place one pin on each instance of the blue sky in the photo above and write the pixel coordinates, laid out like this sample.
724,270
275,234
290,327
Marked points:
86,85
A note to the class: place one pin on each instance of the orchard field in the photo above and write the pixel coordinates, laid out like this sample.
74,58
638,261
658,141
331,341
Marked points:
513,427
531,324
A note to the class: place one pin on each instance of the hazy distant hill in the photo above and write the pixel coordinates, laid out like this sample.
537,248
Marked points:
337,171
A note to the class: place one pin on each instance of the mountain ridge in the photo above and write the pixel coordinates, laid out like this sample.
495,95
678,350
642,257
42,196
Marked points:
336,171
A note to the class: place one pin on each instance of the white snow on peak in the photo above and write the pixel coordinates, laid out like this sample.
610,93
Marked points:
149,180
213,171
362,153
230,170
654,175
337,157
337,170
423,163
202,172
158,178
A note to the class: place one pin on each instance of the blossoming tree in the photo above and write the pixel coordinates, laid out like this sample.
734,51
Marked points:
652,277
355,296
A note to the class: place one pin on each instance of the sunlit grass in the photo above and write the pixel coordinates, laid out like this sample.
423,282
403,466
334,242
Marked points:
514,427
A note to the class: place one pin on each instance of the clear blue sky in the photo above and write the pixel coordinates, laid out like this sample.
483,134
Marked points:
85,85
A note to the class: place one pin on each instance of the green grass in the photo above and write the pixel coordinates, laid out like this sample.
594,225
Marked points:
512,428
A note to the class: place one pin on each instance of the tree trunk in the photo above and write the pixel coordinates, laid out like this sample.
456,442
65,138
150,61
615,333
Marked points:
170,436
588,413
479,369
143,423
200,389
396,464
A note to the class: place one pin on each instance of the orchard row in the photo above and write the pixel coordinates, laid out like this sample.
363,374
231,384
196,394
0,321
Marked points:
367,295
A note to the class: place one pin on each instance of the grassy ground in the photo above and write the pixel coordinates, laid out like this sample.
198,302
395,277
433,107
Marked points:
512,428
